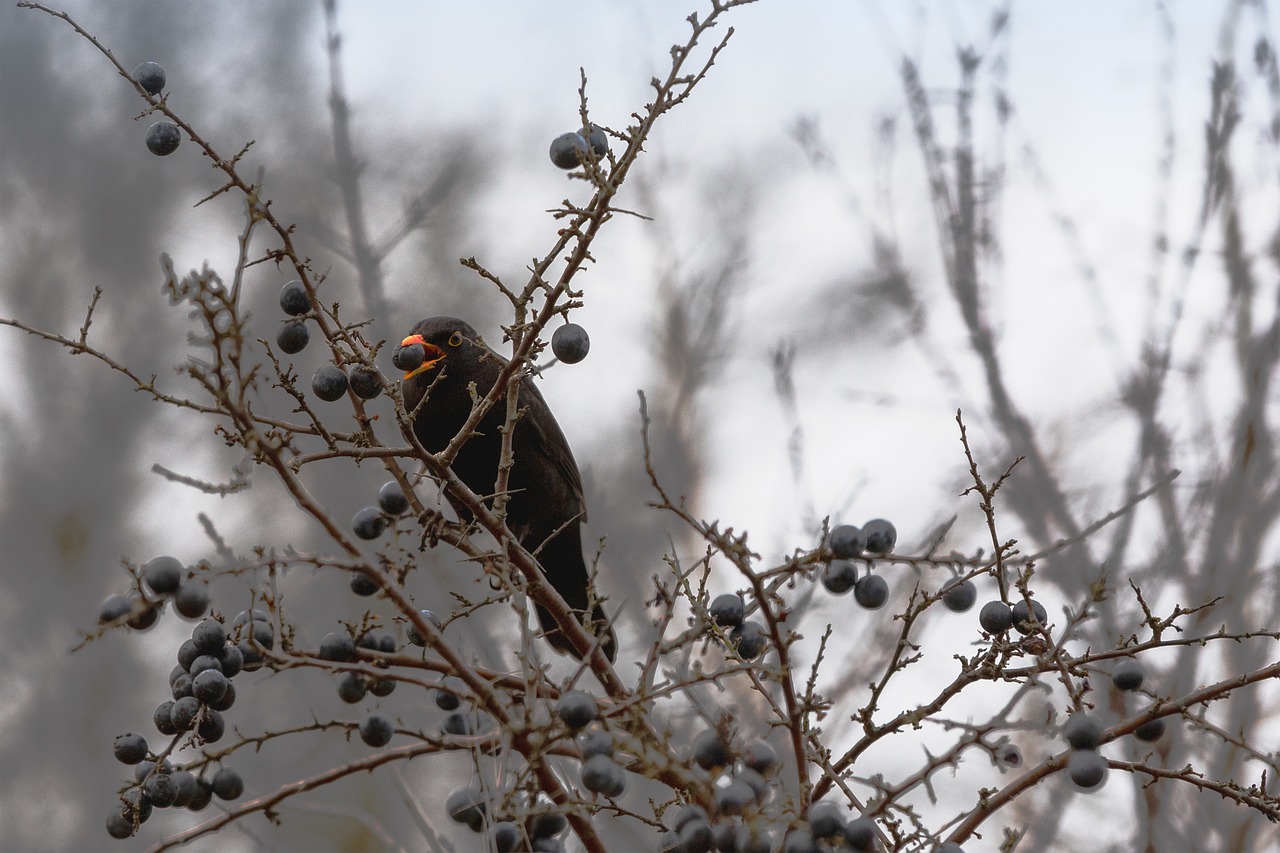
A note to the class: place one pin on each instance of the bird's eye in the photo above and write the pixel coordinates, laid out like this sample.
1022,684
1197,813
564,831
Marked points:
455,339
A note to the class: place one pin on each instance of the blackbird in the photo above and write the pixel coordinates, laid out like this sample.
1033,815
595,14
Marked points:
545,507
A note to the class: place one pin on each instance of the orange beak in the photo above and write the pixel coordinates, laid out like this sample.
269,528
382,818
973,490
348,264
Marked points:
434,354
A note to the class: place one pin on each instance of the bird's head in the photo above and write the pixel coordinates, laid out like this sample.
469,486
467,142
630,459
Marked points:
441,338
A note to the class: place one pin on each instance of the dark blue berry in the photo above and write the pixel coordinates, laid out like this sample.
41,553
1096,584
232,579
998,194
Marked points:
1087,769
467,805
599,773
181,686
505,837
145,619
209,637
363,585
617,785
203,795
1128,674
162,719
391,499
260,632
364,381
163,138
861,834
461,723
118,825
204,662
734,797
839,576
231,659
227,784
568,150
136,804
959,595
749,640
548,825
163,575
576,709
329,382
377,640
1152,730
996,617
727,610
187,787
143,769
228,699
160,790
710,752
192,600
871,591
597,139
825,820
754,840
337,646
570,343
293,336
880,536
294,300
187,653
253,659
183,713
846,541
351,688
1082,731
369,523
209,686
1022,616
150,76
211,727
696,837
376,730
130,748
760,757
408,358
113,607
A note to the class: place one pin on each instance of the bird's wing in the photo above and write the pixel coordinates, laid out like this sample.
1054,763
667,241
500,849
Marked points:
550,438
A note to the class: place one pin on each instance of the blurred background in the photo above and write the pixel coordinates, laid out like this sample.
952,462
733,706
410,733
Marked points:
1062,220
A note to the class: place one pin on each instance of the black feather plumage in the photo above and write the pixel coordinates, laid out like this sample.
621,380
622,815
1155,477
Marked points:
545,508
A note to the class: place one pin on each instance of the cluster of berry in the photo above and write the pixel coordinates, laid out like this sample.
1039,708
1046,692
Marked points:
743,781
1083,731
163,137
202,690
169,580
847,542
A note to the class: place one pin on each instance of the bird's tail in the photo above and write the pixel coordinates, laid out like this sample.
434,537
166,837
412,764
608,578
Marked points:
562,561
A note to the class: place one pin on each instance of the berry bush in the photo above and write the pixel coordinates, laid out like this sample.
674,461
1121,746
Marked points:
972,679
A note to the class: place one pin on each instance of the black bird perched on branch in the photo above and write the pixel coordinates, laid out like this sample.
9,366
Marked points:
545,508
